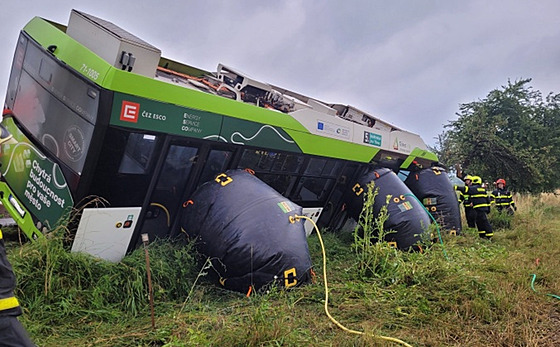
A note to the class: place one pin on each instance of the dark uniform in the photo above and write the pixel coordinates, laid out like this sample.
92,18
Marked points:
501,198
12,333
470,213
480,202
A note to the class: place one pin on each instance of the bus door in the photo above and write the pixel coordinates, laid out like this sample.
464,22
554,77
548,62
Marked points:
167,193
185,168
334,213
213,159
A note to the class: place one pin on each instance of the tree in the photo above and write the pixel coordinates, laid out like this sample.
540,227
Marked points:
512,134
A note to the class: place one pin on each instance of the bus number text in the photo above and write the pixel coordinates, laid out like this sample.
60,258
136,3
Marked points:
89,72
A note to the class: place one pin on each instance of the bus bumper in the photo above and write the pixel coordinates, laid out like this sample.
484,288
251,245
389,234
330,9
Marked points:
20,215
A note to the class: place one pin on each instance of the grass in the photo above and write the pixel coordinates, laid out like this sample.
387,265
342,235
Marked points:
480,295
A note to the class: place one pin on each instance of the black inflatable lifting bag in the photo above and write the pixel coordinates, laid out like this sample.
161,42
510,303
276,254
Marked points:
243,225
406,216
434,189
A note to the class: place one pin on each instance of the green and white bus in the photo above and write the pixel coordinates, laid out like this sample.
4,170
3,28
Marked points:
93,112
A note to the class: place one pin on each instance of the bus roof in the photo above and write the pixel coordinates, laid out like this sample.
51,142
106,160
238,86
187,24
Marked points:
125,63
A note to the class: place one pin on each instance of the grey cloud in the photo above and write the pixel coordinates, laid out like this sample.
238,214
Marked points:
410,63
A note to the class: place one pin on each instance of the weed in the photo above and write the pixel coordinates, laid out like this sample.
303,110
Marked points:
375,258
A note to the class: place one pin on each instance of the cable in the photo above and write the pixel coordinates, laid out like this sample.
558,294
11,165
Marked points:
387,338
533,287
164,210
436,223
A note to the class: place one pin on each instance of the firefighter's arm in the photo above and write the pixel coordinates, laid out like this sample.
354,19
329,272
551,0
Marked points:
462,189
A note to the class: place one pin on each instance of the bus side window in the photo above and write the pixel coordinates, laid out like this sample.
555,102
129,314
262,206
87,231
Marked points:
315,166
313,189
281,183
137,154
250,159
216,163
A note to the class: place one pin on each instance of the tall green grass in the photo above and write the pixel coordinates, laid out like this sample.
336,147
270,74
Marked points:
57,286
480,295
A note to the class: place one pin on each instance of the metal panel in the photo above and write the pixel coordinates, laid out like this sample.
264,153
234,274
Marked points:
106,232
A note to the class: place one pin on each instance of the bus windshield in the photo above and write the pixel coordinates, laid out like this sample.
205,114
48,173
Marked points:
55,106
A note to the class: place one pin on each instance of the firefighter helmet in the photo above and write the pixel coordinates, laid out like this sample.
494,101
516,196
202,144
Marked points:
476,180
468,177
502,181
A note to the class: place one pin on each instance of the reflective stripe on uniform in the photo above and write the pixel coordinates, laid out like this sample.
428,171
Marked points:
8,303
464,198
501,196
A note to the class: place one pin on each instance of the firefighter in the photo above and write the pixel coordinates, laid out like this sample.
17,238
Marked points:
12,333
480,202
470,213
501,198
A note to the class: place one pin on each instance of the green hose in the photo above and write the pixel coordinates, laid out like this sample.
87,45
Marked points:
533,287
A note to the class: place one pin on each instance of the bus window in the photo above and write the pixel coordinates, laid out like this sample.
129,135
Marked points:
263,161
266,160
280,183
313,189
333,213
79,96
287,163
249,159
323,167
332,168
315,166
28,106
17,66
65,134
137,154
169,189
57,107
257,160
176,169
216,163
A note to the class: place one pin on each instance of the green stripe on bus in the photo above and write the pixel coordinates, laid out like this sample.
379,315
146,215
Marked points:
419,153
327,147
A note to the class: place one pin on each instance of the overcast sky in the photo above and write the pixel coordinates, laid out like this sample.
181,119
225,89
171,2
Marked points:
410,63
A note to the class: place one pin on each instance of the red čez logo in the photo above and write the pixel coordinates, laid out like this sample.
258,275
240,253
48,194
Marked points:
130,111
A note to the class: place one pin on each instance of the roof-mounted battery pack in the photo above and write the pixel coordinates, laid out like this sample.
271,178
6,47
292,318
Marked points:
114,44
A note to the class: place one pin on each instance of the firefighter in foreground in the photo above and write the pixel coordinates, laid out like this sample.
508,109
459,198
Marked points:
12,333
502,199
480,202
470,213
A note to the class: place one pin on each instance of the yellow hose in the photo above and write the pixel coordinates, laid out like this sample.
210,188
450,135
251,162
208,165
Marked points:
164,210
387,338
